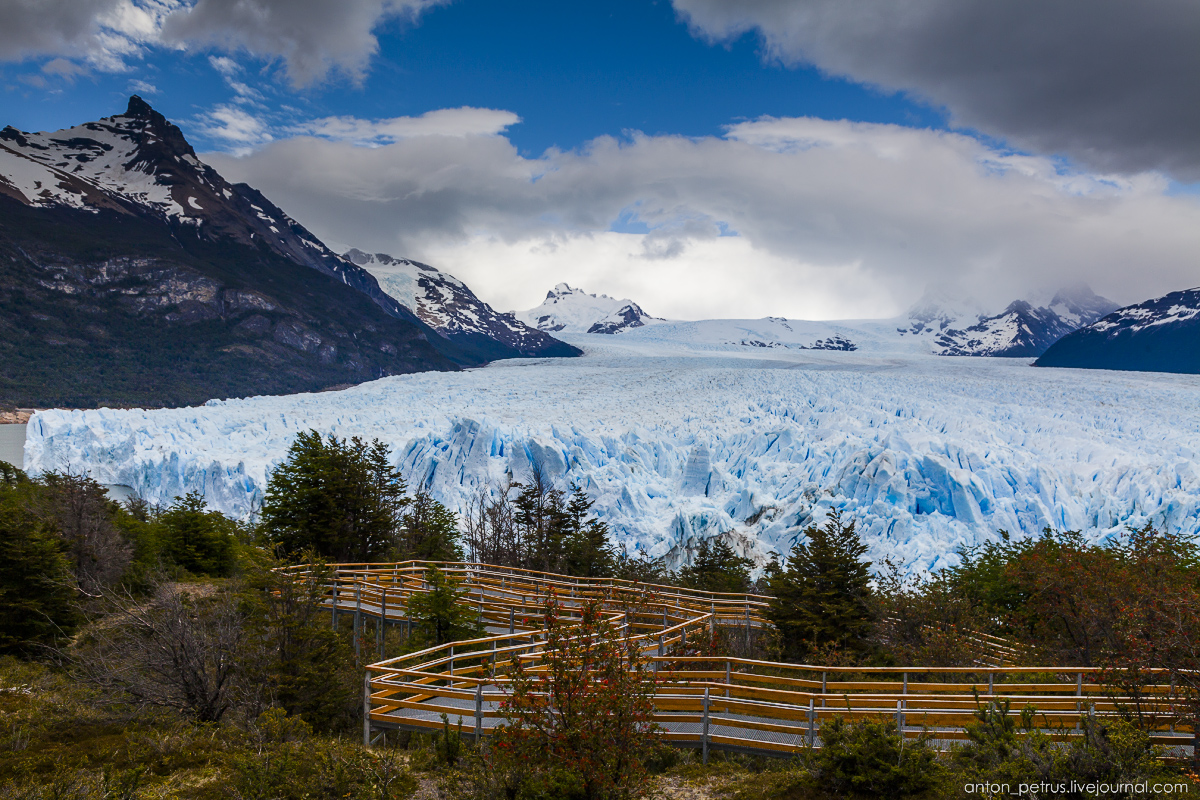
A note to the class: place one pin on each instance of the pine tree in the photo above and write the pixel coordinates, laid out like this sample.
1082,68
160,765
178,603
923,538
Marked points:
717,568
586,547
822,596
430,531
439,612
201,541
37,601
340,498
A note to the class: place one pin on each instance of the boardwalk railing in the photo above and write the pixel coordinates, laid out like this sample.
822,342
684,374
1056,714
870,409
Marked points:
706,702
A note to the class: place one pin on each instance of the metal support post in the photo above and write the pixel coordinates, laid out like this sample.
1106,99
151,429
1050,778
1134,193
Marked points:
357,620
905,684
991,682
900,717
1079,703
823,684
335,601
747,631
812,719
381,622
727,679
478,712
451,665
367,709
704,735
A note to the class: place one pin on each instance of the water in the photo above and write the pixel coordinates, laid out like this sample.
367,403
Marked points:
12,444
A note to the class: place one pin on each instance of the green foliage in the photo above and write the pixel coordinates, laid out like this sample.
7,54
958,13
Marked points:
1111,751
201,541
823,595
583,727
341,499
449,745
37,596
588,553
430,531
717,568
292,658
870,759
439,614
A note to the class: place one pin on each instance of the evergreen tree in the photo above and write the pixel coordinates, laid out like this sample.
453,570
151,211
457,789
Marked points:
440,616
430,531
37,599
717,568
822,596
201,541
340,498
542,520
587,551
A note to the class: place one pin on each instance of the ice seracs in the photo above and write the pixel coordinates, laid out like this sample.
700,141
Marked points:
572,310
679,440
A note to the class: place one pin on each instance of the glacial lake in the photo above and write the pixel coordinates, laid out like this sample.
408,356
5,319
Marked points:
12,444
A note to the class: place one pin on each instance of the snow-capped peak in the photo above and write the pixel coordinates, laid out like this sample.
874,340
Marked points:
448,305
572,310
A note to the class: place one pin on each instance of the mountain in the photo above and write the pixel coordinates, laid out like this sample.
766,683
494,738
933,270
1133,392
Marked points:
1159,335
1019,331
131,273
447,305
575,311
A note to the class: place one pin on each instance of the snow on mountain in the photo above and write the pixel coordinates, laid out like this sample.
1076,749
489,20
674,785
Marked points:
1159,335
139,163
573,310
447,305
680,440
1019,331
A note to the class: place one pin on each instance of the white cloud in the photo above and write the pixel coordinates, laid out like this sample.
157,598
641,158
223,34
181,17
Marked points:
240,129
142,87
1108,82
463,121
311,37
832,218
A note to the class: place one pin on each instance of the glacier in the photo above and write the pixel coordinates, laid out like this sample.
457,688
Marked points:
679,433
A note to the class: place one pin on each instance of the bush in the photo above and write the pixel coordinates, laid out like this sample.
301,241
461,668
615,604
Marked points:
201,541
582,727
870,759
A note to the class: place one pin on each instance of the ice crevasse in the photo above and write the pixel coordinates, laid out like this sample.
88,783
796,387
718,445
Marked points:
927,454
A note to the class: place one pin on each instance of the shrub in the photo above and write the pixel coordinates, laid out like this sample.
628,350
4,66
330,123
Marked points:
582,726
870,759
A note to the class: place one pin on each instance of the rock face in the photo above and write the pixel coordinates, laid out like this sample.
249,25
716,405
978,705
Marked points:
573,310
448,305
133,274
1159,335
1020,331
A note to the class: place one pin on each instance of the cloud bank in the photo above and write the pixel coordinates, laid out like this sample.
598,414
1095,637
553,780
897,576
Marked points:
1110,83
312,38
799,217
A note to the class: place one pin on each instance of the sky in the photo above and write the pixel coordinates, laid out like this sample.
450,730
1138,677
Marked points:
707,158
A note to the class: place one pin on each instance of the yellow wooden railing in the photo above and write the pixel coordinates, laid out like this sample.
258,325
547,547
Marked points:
707,702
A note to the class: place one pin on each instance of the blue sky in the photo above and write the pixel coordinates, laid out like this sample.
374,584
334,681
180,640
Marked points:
571,71
805,158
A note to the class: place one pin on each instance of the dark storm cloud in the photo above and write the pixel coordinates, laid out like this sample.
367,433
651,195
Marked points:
1111,83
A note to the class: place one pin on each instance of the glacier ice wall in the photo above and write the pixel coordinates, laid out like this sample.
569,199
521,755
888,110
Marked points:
927,453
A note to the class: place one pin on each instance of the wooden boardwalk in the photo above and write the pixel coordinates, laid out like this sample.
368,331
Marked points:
725,703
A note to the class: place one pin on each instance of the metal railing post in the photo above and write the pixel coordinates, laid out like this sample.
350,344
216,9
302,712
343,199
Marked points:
379,635
478,712
367,709
357,620
335,601
812,720
704,734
